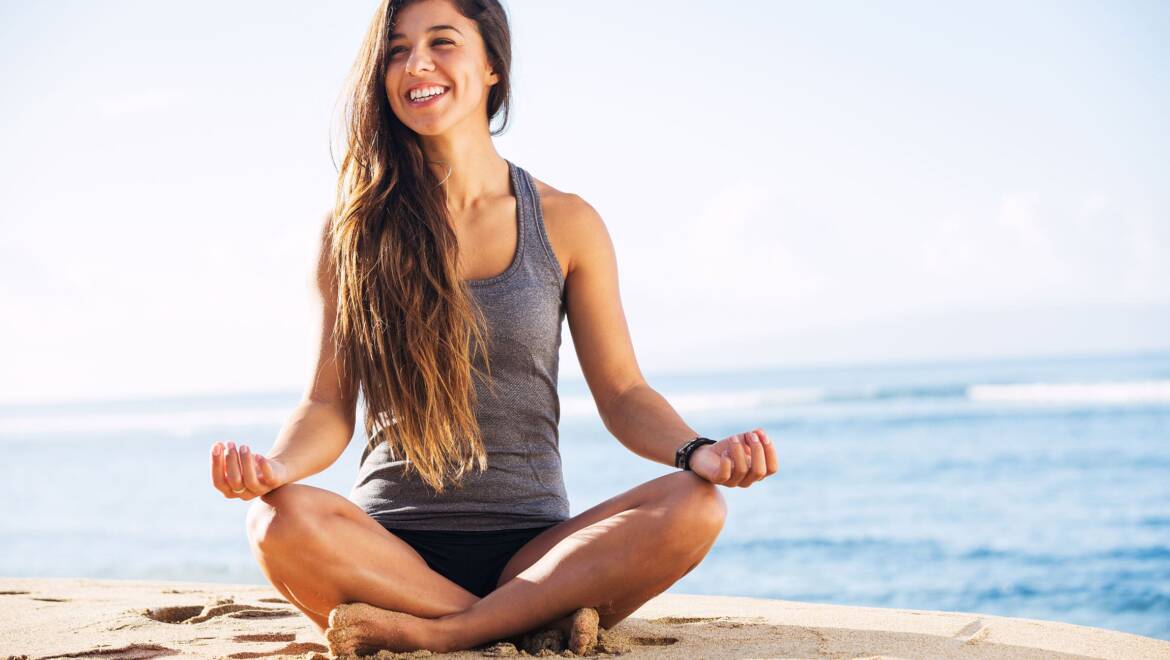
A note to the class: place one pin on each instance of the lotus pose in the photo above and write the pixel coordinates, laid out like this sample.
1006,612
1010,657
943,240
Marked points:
444,274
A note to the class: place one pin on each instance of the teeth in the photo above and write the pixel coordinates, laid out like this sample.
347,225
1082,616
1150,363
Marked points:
425,92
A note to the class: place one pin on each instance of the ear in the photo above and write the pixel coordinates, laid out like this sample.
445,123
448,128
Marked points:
492,77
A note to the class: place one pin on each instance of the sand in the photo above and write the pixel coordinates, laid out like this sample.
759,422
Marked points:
131,619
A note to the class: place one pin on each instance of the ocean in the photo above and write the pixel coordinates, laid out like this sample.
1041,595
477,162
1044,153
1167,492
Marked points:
1035,488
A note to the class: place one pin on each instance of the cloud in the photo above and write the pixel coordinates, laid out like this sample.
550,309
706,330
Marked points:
731,250
139,102
1083,248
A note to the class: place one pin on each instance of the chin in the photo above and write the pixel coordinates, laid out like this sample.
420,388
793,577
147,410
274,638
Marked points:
429,130
431,126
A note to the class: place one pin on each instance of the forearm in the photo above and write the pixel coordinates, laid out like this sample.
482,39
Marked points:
642,420
314,436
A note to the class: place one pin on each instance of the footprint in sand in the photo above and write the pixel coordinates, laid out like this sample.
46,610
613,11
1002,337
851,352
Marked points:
226,607
296,648
128,652
222,607
717,621
684,619
266,637
26,593
653,641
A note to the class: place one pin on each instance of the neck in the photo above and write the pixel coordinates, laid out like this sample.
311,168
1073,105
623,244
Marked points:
476,170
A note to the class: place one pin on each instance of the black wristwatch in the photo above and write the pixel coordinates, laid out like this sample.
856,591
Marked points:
682,457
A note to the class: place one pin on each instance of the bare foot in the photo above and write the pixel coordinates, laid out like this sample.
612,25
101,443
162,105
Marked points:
581,630
577,632
362,629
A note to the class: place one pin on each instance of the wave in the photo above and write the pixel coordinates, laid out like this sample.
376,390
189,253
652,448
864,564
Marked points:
831,400
1132,392
1086,393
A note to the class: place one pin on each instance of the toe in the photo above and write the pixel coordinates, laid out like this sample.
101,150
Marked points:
583,635
338,633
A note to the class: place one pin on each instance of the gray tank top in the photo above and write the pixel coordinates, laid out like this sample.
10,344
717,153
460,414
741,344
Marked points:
523,485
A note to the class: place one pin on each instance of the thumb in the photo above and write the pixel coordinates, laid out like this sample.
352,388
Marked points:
726,465
272,471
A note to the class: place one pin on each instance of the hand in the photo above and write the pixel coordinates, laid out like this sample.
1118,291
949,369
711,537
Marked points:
242,474
737,460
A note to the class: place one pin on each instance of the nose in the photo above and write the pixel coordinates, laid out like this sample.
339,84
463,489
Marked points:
418,63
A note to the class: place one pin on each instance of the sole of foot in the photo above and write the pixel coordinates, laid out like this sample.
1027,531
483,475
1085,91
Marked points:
359,628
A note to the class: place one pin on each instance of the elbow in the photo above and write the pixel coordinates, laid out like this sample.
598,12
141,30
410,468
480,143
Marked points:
610,406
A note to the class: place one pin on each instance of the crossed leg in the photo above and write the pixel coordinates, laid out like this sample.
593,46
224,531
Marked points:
319,550
613,557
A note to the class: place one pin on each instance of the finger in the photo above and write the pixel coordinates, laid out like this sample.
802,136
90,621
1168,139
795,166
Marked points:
248,461
747,449
217,463
759,462
769,453
737,453
235,480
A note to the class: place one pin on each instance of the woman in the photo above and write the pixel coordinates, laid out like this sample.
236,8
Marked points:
444,275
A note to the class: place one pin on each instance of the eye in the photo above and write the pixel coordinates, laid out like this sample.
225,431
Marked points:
395,50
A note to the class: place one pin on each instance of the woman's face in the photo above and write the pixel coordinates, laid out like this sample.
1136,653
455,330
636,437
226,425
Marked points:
433,45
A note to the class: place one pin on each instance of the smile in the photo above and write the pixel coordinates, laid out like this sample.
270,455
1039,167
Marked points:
428,96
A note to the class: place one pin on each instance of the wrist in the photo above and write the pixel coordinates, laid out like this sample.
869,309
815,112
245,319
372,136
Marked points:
292,470
685,452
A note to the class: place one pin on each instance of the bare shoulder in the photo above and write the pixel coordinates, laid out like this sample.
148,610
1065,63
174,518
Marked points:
574,226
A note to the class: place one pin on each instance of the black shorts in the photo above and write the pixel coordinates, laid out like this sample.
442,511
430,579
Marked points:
473,560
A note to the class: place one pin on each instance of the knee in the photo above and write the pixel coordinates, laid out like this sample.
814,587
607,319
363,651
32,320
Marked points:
710,506
279,516
699,506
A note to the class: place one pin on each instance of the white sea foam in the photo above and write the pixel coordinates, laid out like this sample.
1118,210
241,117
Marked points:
1127,392
580,406
187,422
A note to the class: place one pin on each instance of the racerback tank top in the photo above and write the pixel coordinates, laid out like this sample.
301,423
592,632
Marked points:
523,485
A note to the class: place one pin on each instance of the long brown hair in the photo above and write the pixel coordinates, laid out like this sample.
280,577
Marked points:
407,330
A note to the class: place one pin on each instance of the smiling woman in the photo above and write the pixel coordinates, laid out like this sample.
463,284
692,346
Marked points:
445,275
459,52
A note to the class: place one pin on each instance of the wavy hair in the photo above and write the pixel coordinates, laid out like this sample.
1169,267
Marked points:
407,331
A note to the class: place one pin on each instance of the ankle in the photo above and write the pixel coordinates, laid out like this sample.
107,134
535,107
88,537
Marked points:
445,634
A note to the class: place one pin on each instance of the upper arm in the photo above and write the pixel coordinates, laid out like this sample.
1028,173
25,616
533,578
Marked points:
601,335
325,382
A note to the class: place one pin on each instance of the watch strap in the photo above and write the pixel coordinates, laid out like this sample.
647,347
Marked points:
682,457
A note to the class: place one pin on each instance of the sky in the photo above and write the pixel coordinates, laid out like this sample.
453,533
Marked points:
785,183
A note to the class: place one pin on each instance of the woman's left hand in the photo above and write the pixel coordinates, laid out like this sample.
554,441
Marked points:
737,460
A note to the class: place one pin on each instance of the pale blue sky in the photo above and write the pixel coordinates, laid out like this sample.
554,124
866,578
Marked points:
785,183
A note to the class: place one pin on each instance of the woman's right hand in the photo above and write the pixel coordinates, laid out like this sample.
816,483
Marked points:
240,473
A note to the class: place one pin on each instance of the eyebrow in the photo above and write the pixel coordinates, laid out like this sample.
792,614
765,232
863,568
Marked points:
433,28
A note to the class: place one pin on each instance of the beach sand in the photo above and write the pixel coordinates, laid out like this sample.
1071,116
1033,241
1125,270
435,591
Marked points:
124,619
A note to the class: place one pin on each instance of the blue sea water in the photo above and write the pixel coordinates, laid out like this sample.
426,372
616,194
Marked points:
1034,488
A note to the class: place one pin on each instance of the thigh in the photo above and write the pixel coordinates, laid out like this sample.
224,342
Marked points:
661,489
305,505
326,550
